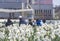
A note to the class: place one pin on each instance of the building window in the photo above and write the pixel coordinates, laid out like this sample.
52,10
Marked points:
35,12
38,12
41,11
50,11
44,11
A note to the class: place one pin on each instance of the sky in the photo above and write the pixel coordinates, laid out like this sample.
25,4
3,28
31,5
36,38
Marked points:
56,2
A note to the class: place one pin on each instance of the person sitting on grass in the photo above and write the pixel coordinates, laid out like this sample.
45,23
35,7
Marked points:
9,22
30,22
38,22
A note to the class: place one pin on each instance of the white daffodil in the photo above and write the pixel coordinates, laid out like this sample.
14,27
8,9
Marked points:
47,39
25,31
1,35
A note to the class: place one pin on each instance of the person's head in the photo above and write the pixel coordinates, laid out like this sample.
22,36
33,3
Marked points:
20,16
30,20
37,19
8,19
44,20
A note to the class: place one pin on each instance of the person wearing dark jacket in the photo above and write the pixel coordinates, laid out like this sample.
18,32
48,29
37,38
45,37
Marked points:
9,22
21,21
30,22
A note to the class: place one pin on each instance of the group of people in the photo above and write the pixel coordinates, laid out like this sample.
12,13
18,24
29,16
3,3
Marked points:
31,22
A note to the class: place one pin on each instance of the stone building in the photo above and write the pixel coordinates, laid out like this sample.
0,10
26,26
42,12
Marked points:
43,9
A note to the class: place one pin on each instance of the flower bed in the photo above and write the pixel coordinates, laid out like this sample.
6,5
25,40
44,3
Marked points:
46,32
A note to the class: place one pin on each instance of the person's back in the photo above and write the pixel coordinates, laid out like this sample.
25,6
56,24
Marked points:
30,22
20,21
9,22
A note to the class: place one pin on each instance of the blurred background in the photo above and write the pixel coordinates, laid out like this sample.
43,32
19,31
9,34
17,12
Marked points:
42,9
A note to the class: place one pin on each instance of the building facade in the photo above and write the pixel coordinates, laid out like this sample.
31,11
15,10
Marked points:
43,9
57,12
